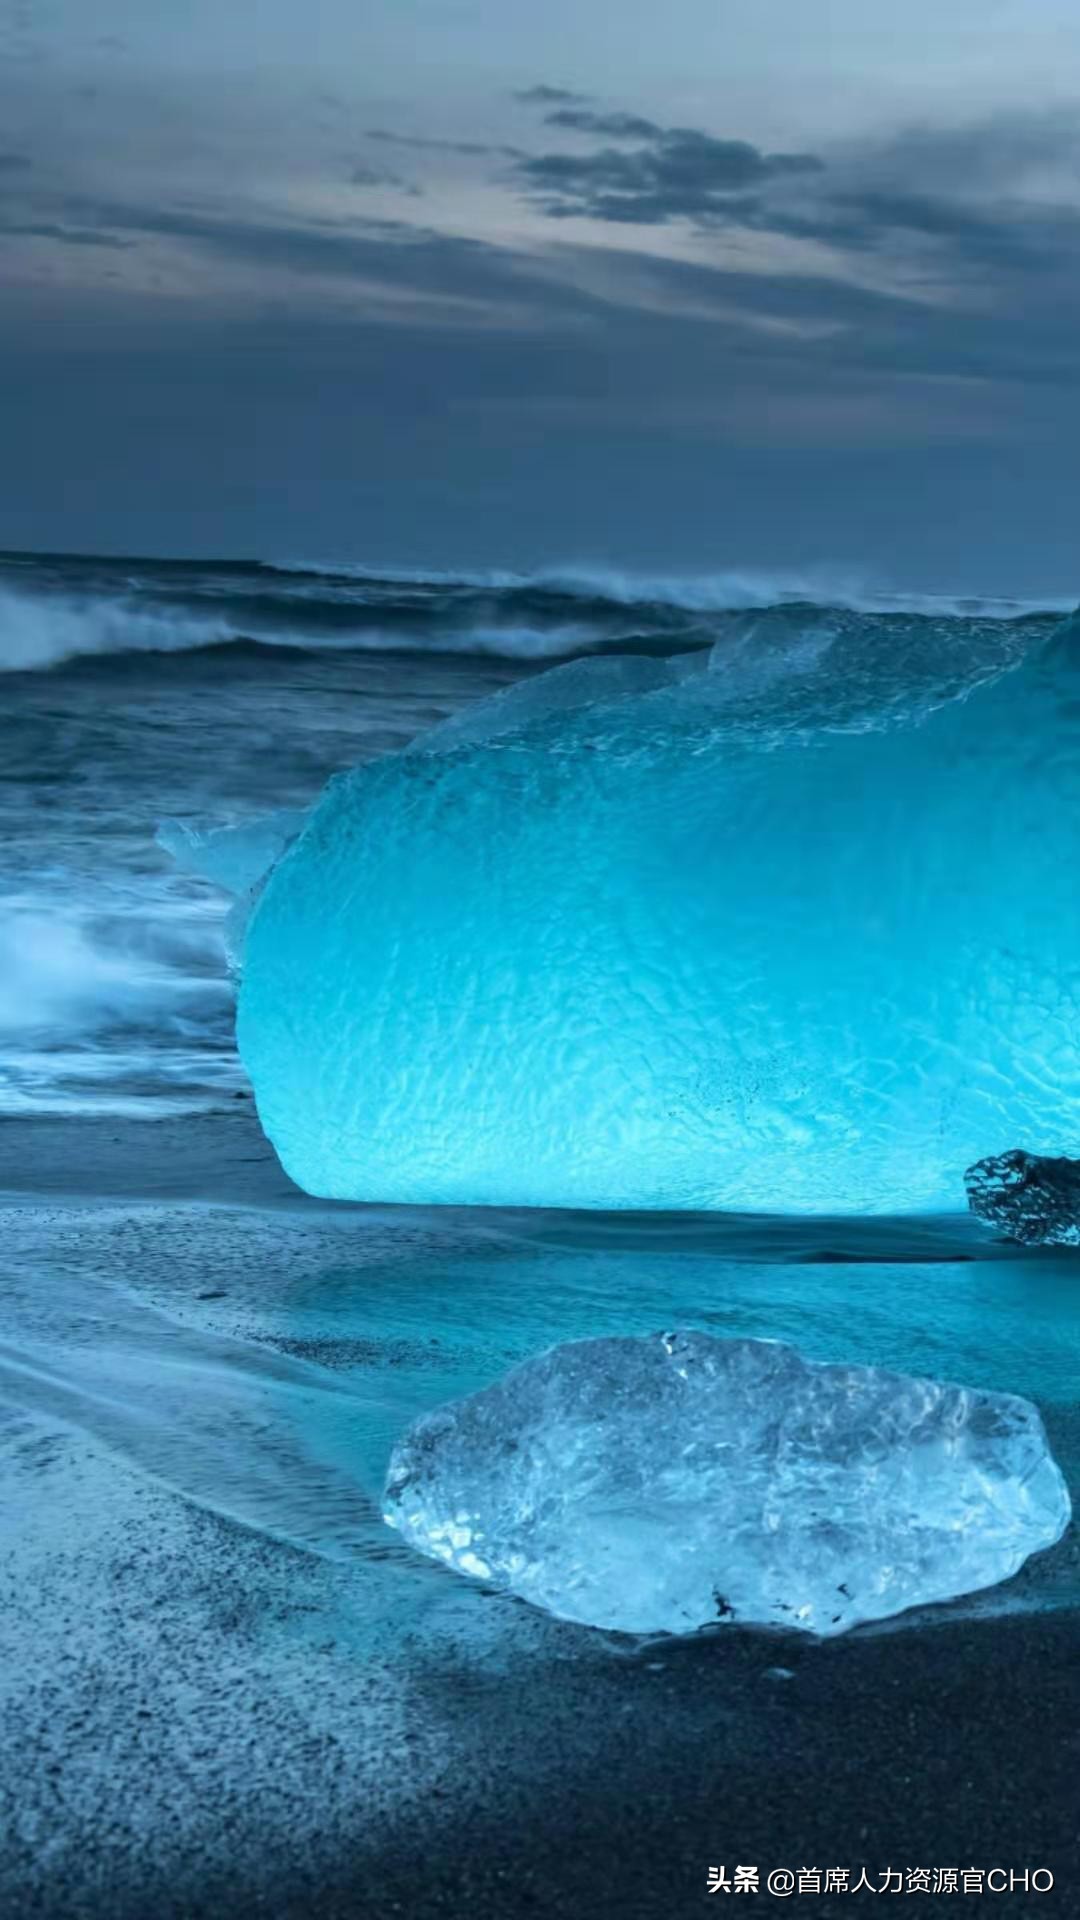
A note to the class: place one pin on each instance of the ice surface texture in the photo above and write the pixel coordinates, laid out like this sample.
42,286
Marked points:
1028,1197
708,932
666,1483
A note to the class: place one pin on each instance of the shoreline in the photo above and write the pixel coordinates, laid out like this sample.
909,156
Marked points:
221,1157
213,1711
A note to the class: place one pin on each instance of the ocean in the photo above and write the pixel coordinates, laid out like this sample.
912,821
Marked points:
140,691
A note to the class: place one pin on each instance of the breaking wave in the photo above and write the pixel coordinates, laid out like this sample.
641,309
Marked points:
54,609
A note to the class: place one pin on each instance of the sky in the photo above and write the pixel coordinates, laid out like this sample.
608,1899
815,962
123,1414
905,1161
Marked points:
708,285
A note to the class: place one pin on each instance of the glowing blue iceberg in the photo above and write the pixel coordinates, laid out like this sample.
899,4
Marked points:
753,929
662,1484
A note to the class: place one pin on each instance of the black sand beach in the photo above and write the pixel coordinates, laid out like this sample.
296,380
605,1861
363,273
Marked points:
207,1713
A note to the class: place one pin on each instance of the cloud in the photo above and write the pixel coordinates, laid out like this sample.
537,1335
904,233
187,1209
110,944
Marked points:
427,143
1005,152
962,204
873,218
990,201
676,173
550,97
14,162
616,126
65,236
361,175
436,278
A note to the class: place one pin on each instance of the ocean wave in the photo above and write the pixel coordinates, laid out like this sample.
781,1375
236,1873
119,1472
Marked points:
56,609
37,633
738,590
66,968
112,1007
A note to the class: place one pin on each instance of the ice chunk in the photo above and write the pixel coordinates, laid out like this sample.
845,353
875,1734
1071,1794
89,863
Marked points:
665,1483
1028,1196
234,858
661,937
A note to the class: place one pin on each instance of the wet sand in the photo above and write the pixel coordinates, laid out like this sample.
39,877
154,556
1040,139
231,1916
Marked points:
204,1719
217,1157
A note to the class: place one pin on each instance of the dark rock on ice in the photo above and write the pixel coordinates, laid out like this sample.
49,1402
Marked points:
1030,1197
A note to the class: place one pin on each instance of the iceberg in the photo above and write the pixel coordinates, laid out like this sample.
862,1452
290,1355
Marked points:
1029,1197
234,858
666,1483
749,928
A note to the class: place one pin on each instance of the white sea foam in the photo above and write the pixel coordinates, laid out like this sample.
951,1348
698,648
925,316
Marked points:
41,631
517,616
725,591
112,1009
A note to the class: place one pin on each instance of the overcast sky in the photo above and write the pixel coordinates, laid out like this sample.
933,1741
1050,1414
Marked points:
701,284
